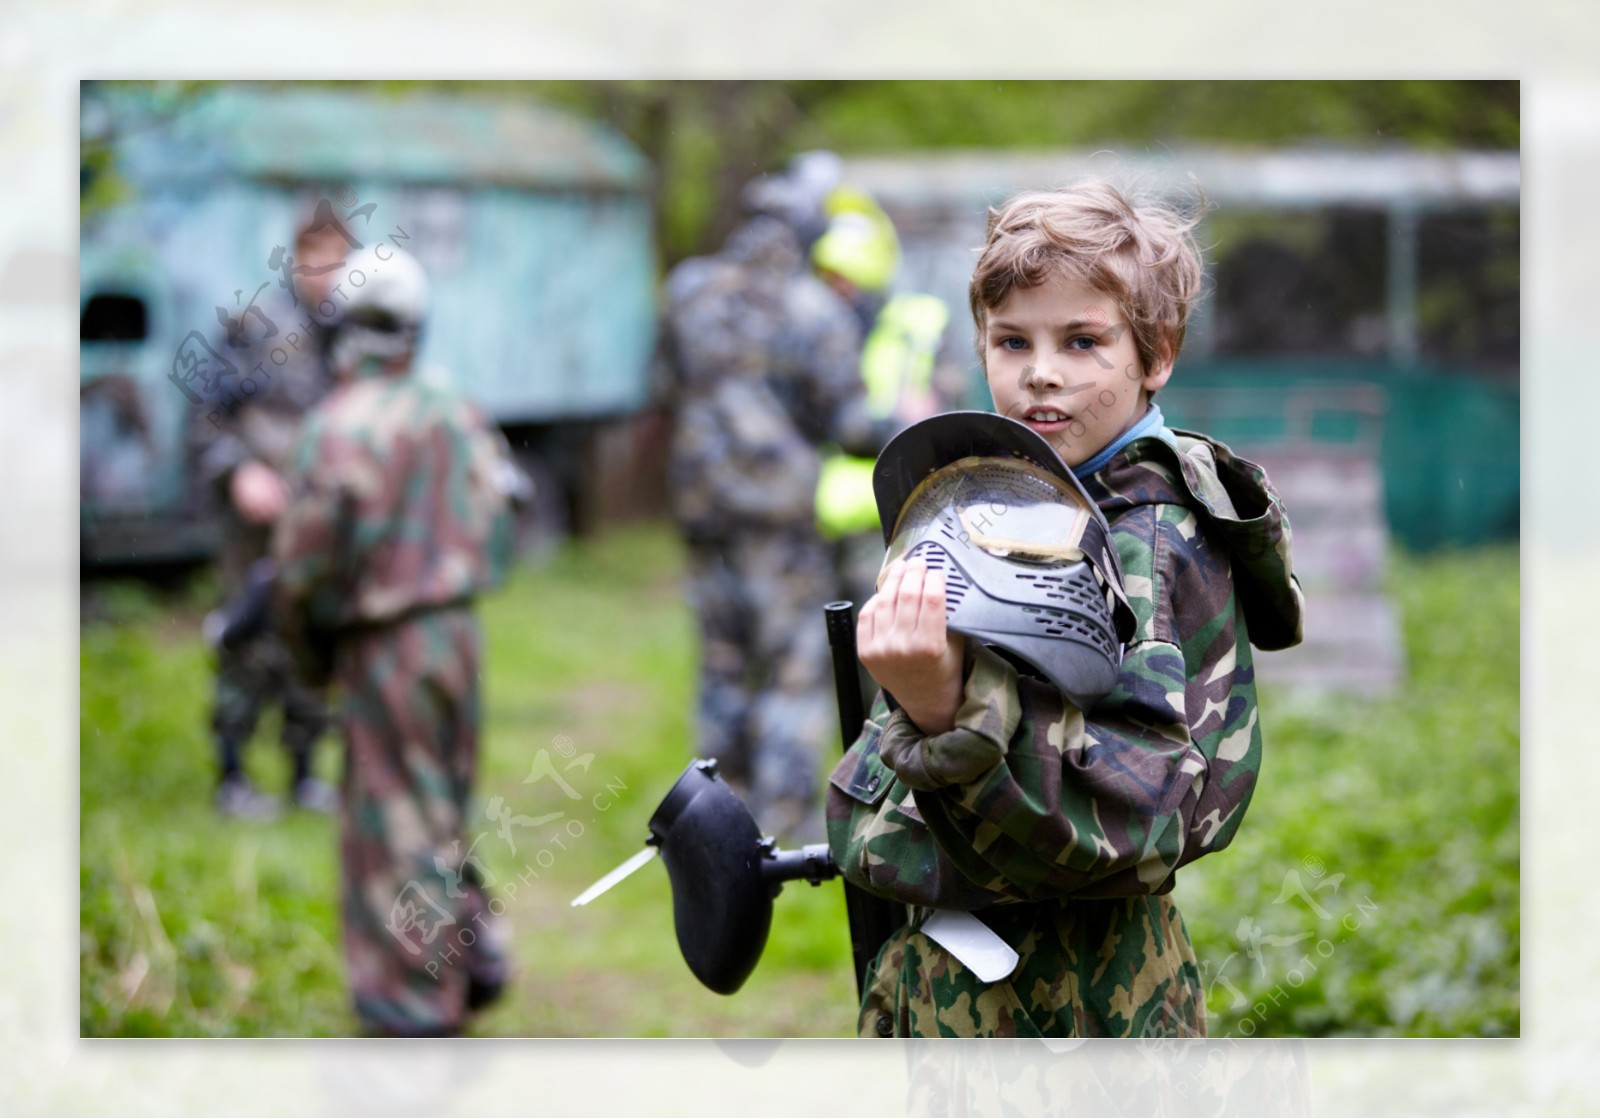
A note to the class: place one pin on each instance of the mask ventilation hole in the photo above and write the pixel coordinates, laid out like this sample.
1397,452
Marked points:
937,559
1059,623
1061,589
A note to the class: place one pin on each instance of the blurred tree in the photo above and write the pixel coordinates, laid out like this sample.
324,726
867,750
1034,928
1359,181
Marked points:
706,139
141,105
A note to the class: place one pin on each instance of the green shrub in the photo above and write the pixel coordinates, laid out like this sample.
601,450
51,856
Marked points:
1398,818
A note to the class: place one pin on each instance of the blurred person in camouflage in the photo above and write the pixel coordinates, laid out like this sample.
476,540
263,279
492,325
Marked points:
396,520
242,439
763,360
987,796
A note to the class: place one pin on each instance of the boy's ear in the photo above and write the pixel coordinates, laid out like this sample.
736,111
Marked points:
1160,372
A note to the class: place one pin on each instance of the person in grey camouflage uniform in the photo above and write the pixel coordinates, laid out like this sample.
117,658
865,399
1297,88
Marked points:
988,792
398,519
242,439
763,364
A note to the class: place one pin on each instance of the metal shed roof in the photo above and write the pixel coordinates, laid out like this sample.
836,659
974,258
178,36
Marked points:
1279,178
331,134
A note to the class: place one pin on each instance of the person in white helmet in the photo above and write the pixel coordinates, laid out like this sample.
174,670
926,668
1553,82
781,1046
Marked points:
395,522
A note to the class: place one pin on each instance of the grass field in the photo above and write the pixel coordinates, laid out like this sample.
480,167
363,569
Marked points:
1373,888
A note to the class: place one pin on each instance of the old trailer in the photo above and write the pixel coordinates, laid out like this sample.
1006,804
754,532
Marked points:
535,228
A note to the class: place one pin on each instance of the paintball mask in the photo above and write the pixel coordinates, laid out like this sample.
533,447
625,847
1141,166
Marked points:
383,315
1027,557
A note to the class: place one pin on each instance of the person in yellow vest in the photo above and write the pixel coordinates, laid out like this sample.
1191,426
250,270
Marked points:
911,368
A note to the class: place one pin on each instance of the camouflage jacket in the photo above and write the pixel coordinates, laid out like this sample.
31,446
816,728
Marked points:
255,413
398,503
1084,806
762,369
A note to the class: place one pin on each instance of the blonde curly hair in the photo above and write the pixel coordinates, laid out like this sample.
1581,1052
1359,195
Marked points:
1142,253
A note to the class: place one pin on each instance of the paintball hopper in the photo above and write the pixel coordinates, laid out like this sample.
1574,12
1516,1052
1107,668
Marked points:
1027,557
724,875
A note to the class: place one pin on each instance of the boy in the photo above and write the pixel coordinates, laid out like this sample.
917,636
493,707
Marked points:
1059,828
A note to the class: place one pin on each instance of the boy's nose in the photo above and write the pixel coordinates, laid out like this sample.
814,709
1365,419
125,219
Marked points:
1042,376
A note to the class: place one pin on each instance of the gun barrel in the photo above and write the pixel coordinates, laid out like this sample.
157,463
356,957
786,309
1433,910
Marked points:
842,641
872,919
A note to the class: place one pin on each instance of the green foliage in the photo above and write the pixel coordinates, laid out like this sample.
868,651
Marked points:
144,105
1398,820
195,926
191,925
869,116
706,139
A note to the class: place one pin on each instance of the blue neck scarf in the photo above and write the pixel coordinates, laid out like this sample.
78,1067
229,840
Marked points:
1150,423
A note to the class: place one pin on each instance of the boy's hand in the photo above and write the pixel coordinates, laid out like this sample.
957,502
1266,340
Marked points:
902,640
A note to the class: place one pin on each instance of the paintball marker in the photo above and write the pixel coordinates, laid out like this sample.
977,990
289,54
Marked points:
250,614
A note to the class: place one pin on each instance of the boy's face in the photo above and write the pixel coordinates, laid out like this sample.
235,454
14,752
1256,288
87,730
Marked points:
1061,358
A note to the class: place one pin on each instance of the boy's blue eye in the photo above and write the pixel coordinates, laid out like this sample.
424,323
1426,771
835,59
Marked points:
1006,343
1087,343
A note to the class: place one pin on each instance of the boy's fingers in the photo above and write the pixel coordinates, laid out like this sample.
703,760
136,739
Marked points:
931,616
890,598
891,581
867,621
910,597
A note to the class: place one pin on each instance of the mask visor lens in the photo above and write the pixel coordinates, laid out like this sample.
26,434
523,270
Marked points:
1008,507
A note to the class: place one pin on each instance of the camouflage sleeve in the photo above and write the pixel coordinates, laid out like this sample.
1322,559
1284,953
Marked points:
1099,804
215,446
879,838
216,424
498,490
308,549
